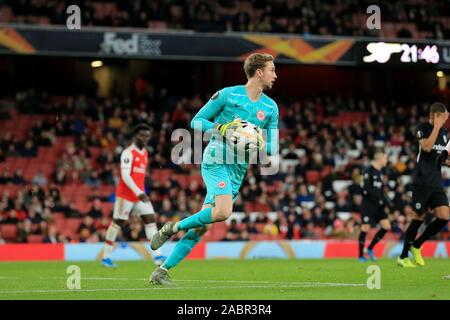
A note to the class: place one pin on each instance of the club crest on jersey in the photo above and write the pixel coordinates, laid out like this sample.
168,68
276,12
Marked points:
221,184
261,115
418,206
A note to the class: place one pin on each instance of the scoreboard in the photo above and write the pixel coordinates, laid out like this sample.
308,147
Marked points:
402,53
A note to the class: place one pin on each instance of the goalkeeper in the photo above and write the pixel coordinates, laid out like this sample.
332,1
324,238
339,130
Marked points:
224,114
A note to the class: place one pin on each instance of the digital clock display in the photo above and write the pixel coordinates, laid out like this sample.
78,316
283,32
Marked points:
400,53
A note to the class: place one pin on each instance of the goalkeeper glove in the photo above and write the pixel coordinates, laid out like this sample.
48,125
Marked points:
230,130
260,138
259,141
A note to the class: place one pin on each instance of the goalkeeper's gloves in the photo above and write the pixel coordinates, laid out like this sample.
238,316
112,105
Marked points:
230,130
259,141
260,138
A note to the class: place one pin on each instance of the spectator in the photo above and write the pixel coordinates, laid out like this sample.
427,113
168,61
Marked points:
29,149
5,177
52,235
96,210
39,179
18,178
59,177
72,211
233,233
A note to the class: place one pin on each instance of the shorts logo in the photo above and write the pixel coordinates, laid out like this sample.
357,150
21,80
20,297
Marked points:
221,184
418,206
260,115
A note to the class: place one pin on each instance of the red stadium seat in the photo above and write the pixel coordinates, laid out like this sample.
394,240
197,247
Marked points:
183,180
312,176
161,175
60,220
260,237
35,238
8,232
107,209
71,227
326,171
218,231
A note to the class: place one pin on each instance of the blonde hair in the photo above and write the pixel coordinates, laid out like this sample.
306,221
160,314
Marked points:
256,61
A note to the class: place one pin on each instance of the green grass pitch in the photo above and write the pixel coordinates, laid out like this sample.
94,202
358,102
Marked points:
228,279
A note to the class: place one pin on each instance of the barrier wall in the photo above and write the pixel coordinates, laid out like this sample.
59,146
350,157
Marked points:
303,249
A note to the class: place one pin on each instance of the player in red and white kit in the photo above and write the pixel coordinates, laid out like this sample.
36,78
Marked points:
130,194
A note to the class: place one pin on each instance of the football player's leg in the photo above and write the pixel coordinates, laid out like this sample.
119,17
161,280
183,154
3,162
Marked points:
219,189
385,226
121,213
420,198
441,220
362,240
411,233
185,246
146,211
181,251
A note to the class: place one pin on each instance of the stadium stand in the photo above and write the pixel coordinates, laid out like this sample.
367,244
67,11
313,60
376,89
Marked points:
403,19
65,191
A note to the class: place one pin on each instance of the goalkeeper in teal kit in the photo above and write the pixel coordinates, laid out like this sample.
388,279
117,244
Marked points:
225,114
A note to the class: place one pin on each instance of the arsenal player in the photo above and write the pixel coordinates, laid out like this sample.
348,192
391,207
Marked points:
130,194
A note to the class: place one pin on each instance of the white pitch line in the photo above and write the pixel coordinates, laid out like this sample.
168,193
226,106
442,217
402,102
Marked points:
175,288
197,280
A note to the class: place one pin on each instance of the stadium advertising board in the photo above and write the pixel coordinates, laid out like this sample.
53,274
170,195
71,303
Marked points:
136,43
133,43
295,249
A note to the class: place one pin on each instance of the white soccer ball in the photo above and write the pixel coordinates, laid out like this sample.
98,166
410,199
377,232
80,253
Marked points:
247,139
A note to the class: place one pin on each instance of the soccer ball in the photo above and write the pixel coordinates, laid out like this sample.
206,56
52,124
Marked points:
247,138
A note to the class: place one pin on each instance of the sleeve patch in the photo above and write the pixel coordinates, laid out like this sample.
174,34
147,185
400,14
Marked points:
215,96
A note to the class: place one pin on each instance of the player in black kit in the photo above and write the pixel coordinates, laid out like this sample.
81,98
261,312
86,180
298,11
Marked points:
427,191
373,207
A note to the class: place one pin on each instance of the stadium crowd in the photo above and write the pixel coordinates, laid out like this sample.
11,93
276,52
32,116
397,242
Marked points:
410,19
318,150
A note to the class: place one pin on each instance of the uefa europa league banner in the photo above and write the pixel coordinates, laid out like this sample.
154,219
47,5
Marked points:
146,44
96,42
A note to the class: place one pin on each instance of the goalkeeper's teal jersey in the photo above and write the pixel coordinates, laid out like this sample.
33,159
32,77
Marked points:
225,106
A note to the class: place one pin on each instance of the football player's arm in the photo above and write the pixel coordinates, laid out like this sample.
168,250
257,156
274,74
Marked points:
272,133
202,120
427,142
126,159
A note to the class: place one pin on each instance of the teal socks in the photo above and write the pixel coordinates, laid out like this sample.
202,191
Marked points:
200,219
182,249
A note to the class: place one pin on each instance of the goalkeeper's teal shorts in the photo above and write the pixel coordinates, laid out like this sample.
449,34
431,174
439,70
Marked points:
222,179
